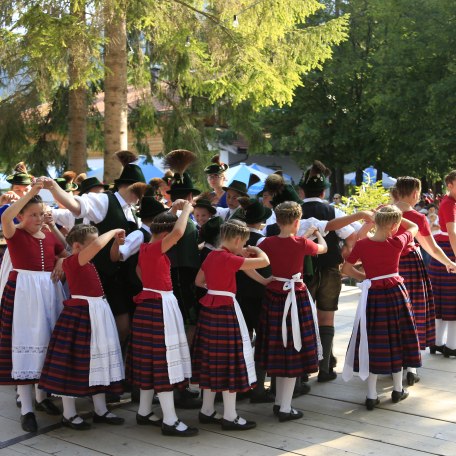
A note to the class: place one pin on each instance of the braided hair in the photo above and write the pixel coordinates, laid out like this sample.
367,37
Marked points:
233,229
287,212
388,215
80,232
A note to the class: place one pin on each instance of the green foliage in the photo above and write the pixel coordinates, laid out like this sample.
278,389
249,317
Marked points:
367,196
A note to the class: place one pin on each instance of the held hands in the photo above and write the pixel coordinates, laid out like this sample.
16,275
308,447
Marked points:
368,216
46,182
312,231
120,236
37,185
48,219
251,252
187,206
8,198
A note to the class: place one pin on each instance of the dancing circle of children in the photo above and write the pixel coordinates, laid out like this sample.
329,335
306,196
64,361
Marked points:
31,302
288,343
84,356
384,337
406,193
159,358
222,355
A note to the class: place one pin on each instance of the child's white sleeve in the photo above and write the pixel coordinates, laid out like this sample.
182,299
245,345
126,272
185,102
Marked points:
132,244
305,224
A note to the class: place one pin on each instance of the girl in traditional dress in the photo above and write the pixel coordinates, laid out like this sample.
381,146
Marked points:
84,357
31,302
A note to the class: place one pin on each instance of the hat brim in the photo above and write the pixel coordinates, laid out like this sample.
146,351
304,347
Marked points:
144,215
85,190
267,212
186,191
235,190
211,209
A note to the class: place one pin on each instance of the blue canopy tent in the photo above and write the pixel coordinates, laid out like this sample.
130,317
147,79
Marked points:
268,171
370,175
242,172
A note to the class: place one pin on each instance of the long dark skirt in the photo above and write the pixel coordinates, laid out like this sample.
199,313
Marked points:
218,360
391,331
277,360
443,285
146,365
67,365
416,280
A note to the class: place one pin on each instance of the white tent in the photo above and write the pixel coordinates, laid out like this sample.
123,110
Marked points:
370,175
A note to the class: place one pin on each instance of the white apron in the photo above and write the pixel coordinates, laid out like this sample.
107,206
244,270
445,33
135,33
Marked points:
37,305
246,342
106,364
360,322
292,306
177,352
5,269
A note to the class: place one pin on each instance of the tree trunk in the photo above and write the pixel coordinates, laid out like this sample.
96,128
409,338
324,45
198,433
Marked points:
77,115
359,176
340,185
115,86
379,176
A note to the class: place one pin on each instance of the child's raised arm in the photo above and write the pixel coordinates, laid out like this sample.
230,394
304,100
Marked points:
179,228
8,226
260,260
339,222
94,247
409,226
322,246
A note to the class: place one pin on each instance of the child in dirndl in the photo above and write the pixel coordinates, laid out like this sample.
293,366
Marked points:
159,357
407,192
444,282
84,357
384,338
288,344
31,302
222,351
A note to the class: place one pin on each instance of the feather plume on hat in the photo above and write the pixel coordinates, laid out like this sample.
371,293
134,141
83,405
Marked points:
179,160
20,168
125,157
69,176
80,178
140,189
216,159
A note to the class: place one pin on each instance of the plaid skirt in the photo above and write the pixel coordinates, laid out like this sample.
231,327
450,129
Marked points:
416,280
146,365
391,331
67,365
272,356
443,285
218,360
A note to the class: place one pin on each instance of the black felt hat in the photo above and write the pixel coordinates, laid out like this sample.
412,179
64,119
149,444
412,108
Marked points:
150,207
237,186
255,212
315,178
64,184
210,231
288,193
19,179
205,204
182,185
131,173
216,167
91,182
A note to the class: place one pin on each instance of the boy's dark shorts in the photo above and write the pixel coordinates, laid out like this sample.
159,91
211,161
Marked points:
325,288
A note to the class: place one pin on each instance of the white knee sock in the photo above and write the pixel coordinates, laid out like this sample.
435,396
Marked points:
440,330
99,404
145,402
40,394
372,386
411,369
208,407
288,385
451,335
229,407
69,409
169,412
397,381
279,390
26,398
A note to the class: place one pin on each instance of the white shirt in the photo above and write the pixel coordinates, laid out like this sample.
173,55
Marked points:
94,207
344,232
132,243
63,217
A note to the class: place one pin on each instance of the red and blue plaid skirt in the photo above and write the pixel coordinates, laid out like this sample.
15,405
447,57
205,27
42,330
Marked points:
416,280
67,365
146,365
217,352
6,330
277,360
391,331
443,285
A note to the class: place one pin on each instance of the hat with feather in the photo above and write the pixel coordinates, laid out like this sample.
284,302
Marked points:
255,212
131,173
240,187
315,178
178,161
216,166
66,181
20,175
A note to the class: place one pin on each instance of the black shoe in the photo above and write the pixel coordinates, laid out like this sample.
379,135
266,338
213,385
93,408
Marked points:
291,415
209,419
304,378
332,361
69,423
115,420
185,400
172,430
326,376
145,421
47,406
412,378
276,410
301,389
371,403
397,396
265,397
436,348
447,352
28,422
235,426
